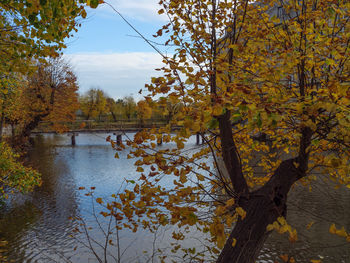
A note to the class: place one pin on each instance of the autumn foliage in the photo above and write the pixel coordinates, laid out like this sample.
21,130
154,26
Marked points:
33,85
13,175
267,85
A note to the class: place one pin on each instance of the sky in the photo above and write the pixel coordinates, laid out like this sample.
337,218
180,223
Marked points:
107,53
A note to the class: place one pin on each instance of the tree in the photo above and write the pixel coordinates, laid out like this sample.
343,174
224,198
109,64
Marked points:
51,22
94,103
31,31
168,108
144,111
277,71
50,94
129,105
112,108
7,98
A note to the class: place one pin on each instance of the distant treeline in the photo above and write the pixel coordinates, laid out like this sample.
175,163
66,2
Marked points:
96,105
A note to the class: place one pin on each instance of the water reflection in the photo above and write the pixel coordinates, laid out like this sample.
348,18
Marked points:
38,229
311,212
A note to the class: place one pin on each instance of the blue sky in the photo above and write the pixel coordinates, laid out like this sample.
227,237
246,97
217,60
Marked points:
106,53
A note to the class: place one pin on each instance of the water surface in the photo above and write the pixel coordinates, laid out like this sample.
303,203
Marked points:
38,228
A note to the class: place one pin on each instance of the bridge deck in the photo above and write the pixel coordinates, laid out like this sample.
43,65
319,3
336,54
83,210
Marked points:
90,131
105,130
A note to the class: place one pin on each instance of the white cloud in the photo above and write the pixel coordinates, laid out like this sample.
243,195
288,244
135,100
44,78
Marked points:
118,74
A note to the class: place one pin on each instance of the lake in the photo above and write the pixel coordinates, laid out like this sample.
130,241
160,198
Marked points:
38,229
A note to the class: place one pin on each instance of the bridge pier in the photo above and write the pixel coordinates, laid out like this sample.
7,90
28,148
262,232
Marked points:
160,141
198,137
119,138
72,137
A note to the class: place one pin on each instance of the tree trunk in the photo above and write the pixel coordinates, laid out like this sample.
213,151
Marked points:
114,117
262,207
28,128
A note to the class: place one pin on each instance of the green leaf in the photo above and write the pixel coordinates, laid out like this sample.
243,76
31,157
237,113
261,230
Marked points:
94,3
258,121
31,18
214,123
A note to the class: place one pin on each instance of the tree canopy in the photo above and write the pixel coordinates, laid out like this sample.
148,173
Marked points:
267,84
34,29
13,175
31,86
93,103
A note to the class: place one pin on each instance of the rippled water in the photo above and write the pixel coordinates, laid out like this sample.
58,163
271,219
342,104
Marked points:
38,229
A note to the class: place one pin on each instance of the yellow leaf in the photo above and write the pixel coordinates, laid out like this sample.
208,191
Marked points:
105,214
281,220
284,229
293,236
230,202
332,229
217,110
200,177
99,200
234,241
341,232
241,212
137,188
284,257
309,225
269,227
183,178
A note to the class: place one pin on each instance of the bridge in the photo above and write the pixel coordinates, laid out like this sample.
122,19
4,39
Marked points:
119,128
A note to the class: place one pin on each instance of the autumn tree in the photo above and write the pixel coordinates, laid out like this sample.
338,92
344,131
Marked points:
93,103
50,94
37,29
129,106
268,84
112,108
167,109
34,30
144,111
29,31
7,98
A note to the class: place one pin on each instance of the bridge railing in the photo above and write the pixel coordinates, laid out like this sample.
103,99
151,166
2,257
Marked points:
122,124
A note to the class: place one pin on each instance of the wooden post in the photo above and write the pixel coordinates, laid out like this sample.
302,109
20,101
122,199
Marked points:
73,139
160,141
197,138
119,139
